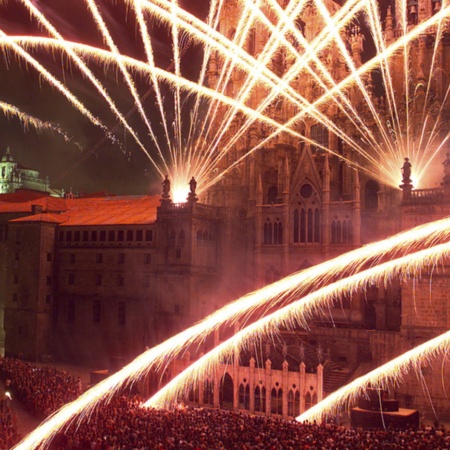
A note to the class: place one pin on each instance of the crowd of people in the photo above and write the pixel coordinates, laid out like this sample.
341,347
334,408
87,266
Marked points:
123,424
42,390
8,425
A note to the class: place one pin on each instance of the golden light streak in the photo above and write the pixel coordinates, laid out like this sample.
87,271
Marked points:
277,294
28,121
86,72
393,371
296,314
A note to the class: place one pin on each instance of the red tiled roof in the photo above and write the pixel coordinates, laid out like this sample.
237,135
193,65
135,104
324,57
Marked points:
112,210
126,210
48,218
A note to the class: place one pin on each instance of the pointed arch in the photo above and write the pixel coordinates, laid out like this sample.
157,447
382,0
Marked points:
226,392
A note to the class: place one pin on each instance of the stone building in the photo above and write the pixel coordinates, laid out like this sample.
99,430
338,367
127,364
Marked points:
99,279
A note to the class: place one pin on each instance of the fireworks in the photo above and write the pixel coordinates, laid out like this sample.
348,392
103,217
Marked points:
195,143
407,254
198,124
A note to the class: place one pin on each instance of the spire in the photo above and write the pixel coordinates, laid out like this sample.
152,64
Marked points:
389,27
7,157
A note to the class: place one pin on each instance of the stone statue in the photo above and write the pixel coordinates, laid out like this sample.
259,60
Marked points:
406,171
192,185
166,187
192,197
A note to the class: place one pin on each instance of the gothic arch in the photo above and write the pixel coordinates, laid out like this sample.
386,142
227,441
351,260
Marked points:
226,391
306,214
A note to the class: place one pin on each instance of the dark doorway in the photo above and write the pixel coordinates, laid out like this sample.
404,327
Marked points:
226,392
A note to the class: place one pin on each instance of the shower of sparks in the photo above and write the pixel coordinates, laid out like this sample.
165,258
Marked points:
28,121
183,141
297,314
382,377
414,248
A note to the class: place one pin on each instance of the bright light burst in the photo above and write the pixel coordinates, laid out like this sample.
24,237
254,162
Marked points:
244,98
355,90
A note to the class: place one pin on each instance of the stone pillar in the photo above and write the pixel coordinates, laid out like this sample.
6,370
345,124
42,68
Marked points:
252,385
319,383
302,386
268,377
285,387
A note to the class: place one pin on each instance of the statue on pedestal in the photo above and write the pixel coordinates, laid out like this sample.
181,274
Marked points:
406,172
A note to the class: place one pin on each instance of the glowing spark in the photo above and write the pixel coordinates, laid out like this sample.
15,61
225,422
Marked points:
393,371
296,314
160,356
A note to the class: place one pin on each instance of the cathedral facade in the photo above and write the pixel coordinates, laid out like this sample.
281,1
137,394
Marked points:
96,280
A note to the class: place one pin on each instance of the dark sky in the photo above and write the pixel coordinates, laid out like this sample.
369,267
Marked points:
89,161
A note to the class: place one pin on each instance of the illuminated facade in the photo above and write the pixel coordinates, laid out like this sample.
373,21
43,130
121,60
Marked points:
97,280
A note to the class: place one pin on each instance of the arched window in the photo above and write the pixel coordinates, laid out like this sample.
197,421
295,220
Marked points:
307,227
272,195
208,393
278,232
338,232
244,396
276,404
317,225
297,404
268,232
371,195
302,225
193,394
260,399
308,400
291,403
181,237
310,225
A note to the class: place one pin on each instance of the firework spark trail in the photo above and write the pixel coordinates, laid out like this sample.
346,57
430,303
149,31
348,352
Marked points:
85,71
426,117
172,7
393,371
379,41
127,77
160,356
8,41
196,145
246,89
243,60
342,17
391,179
139,66
30,121
298,313
245,23
348,59
137,7
283,87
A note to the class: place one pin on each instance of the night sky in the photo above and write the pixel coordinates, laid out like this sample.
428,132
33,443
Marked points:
89,162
